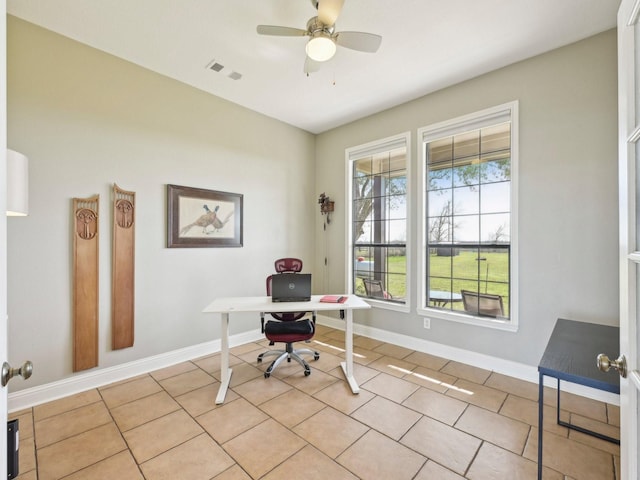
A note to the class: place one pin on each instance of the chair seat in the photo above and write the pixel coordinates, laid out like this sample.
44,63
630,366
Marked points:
297,329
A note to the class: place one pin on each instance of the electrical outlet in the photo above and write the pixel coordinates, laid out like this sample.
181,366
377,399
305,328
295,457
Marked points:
427,323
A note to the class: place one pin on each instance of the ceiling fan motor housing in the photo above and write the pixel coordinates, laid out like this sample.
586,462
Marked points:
316,27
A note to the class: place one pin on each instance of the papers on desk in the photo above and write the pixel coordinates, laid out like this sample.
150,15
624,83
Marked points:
334,299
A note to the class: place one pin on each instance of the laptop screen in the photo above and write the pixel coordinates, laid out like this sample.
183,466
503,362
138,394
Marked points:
291,287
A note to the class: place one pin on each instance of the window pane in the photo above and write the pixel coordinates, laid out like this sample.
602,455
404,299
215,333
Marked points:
466,229
496,228
495,197
381,273
362,207
466,174
466,145
439,179
363,262
496,138
466,268
439,153
397,207
397,232
466,200
362,187
398,185
398,160
363,232
380,164
440,229
440,202
362,167
496,170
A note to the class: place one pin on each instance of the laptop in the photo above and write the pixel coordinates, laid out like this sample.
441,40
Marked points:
291,287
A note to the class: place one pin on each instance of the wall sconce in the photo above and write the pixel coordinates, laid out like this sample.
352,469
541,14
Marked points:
326,206
17,184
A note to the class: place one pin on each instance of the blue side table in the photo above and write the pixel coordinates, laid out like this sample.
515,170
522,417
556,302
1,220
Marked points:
571,356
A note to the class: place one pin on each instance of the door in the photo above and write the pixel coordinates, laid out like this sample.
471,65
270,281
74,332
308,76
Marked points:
629,188
3,229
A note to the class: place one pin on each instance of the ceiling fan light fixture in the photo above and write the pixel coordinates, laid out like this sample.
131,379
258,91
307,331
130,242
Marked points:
321,48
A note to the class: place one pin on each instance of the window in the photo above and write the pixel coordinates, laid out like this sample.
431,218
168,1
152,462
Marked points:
468,169
378,220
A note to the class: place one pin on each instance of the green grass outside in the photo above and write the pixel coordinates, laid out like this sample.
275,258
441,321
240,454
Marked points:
452,274
465,272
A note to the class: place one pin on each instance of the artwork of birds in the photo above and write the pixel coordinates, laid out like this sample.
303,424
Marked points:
208,219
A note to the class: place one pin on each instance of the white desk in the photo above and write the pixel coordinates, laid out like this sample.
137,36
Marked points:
225,306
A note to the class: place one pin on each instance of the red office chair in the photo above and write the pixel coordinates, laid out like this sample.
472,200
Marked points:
288,327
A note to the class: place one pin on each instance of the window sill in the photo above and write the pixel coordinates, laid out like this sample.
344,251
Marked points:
508,326
396,307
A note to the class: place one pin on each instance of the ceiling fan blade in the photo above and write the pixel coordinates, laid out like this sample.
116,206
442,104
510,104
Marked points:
361,41
328,11
311,66
280,31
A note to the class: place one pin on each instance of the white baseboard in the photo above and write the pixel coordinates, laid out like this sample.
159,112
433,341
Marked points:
85,381
498,365
97,378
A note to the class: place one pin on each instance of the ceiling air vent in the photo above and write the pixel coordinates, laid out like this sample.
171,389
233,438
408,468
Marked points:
218,67
215,66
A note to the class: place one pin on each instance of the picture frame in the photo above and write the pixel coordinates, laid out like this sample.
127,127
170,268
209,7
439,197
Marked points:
201,218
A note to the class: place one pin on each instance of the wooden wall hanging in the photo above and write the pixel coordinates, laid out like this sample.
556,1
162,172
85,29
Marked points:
85,283
123,276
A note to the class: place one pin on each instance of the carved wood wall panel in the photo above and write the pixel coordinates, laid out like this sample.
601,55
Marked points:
123,275
85,283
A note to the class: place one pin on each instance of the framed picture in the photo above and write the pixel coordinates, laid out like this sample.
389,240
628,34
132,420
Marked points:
203,218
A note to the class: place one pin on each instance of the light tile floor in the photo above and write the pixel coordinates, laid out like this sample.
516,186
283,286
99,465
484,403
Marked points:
417,417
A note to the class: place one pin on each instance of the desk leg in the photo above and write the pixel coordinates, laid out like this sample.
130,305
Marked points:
540,421
225,371
347,365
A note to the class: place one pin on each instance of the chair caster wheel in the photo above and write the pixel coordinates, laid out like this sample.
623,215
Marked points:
267,374
307,373
316,356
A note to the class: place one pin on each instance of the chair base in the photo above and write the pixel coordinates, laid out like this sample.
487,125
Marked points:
288,354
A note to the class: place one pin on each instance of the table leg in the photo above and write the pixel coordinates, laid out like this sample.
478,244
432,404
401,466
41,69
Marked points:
225,371
578,428
347,365
540,421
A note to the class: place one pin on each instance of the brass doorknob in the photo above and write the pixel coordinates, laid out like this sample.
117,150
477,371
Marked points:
620,364
8,373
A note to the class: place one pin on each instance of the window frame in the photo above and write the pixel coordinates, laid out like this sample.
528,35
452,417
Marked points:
475,120
351,155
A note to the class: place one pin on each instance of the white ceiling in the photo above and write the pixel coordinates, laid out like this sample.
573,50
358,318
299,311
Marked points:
426,45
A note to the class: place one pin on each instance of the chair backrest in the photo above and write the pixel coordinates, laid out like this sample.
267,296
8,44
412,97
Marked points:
374,288
286,265
482,303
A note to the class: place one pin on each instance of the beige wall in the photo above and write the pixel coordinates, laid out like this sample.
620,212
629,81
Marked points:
568,193
87,120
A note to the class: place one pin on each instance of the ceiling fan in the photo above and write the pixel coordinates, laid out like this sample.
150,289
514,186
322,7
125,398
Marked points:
324,39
